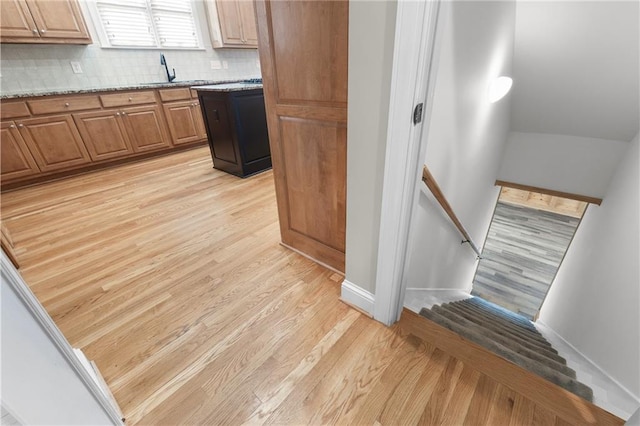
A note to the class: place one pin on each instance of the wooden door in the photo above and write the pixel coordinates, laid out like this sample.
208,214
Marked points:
103,134
54,142
61,19
145,128
15,20
303,54
182,118
17,161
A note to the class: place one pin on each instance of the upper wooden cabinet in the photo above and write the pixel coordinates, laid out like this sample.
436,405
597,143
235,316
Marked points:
42,21
232,23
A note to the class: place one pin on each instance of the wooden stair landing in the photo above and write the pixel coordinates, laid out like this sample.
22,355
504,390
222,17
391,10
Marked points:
566,406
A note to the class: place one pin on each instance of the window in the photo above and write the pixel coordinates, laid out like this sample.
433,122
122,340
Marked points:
147,23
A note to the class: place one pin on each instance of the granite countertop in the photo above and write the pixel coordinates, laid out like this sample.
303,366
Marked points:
227,87
196,84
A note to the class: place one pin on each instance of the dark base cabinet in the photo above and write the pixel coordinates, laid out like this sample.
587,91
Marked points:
236,126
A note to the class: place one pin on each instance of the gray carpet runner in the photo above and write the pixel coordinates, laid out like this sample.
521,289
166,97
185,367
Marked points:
508,335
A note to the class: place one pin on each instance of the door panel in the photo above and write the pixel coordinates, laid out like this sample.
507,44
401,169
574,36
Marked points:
303,55
15,20
54,142
103,134
16,159
182,120
145,127
310,51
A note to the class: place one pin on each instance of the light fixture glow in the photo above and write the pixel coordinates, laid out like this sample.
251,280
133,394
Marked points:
499,88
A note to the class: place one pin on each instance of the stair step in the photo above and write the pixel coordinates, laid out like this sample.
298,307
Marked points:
512,345
501,312
534,366
498,328
522,332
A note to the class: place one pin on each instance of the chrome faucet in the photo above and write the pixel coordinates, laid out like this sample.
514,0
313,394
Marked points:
163,61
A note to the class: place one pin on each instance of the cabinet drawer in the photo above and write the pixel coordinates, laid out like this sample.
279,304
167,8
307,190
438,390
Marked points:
178,94
128,98
66,104
14,110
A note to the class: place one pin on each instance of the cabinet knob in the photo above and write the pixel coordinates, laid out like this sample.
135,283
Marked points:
13,126
130,99
66,104
43,31
35,31
118,114
20,126
124,113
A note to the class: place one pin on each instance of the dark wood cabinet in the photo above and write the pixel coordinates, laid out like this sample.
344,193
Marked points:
236,127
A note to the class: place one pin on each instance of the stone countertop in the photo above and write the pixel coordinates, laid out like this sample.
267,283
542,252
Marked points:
227,87
163,85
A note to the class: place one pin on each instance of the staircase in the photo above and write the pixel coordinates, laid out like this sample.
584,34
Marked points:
508,335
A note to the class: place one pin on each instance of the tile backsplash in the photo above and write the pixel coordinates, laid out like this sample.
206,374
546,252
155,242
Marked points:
28,68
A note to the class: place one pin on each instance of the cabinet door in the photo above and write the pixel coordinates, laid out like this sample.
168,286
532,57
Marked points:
221,137
103,134
16,21
230,22
60,19
183,122
197,116
16,159
248,19
145,128
54,142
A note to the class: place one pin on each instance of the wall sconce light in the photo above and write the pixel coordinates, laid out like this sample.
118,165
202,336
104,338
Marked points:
499,88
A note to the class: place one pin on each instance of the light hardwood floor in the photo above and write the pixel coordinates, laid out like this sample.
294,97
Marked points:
169,275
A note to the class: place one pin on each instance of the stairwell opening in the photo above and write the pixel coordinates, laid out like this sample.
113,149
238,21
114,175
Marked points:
529,235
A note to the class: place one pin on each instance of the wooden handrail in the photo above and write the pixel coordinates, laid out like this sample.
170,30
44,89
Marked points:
433,186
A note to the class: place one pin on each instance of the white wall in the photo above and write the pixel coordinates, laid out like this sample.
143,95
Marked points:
572,164
465,141
371,37
32,68
39,385
594,302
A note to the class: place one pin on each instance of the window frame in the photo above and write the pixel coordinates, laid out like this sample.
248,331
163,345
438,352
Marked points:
105,43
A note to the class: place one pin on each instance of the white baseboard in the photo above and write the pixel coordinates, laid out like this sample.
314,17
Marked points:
437,289
358,297
593,364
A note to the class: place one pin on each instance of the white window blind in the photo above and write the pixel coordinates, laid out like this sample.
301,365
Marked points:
148,23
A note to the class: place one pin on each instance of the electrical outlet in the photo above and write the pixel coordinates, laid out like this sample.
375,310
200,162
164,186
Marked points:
216,65
75,66
225,65
258,63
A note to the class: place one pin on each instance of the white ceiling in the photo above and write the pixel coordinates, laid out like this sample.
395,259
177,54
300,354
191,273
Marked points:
576,68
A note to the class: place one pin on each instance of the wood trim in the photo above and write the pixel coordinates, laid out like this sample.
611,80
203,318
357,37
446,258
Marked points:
561,402
433,186
13,278
6,242
583,198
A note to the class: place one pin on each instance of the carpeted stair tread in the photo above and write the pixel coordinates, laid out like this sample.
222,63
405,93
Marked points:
510,344
502,312
507,322
542,369
522,333
498,328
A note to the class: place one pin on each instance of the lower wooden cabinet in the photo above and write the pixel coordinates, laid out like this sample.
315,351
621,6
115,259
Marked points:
185,121
17,161
54,142
53,135
103,134
145,128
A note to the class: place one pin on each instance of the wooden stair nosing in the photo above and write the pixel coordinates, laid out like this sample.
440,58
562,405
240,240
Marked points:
506,342
558,400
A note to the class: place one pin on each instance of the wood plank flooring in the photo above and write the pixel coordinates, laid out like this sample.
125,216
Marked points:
170,276
521,256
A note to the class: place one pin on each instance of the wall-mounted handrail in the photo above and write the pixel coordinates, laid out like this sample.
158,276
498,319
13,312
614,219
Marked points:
433,186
